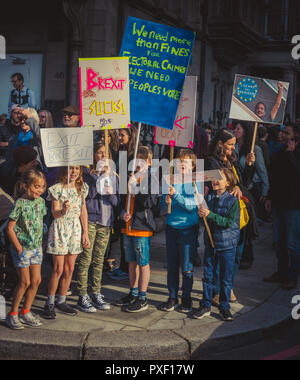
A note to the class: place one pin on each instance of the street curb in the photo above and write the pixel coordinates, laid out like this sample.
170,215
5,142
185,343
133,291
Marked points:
184,344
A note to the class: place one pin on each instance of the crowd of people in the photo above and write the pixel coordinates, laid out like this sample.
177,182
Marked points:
63,213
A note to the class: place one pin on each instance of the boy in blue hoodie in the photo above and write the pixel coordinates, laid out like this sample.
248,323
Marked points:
181,235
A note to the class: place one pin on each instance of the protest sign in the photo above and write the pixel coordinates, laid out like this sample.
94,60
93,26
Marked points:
182,134
67,146
104,92
198,177
159,57
259,100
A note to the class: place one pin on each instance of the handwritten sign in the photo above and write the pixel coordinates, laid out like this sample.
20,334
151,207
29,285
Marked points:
159,57
104,93
67,146
182,134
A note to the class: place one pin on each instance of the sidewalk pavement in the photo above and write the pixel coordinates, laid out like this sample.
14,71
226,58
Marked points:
153,334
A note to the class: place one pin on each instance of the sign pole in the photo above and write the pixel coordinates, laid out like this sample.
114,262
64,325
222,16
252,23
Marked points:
254,140
171,173
106,144
204,219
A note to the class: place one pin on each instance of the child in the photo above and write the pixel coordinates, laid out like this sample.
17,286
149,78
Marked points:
100,207
140,226
65,238
25,232
223,216
181,235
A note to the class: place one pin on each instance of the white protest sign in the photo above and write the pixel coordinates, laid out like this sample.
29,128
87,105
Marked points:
67,146
104,93
198,177
182,134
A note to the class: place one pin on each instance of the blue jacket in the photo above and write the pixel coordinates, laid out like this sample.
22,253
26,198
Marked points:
101,208
228,236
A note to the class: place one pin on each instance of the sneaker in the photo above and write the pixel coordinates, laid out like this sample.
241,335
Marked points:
13,322
186,306
138,306
99,303
201,313
127,300
30,319
226,315
84,304
66,309
49,312
170,305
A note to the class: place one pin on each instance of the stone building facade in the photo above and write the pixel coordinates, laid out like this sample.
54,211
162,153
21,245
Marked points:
232,36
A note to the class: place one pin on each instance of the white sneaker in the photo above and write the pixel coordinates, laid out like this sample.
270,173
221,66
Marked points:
13,322
99,303
30,320
84,304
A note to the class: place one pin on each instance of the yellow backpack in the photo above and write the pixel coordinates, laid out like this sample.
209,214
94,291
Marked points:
244,215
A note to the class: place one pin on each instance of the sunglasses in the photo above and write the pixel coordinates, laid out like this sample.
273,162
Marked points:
69,114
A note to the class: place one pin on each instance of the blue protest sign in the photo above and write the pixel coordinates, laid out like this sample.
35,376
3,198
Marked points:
159,57
247,90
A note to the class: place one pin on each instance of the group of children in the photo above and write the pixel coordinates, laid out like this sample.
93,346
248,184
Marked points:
83,217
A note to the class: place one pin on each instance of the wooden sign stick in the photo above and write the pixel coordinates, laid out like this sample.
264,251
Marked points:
254,140
205,220
106,144
171,173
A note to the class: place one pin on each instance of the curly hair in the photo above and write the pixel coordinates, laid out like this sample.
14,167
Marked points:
217,152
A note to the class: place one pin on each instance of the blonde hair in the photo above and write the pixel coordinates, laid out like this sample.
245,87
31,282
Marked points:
49,119
27,179
34,115
63,178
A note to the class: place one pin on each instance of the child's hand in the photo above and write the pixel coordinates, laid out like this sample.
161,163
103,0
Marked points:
127,217
203,212
65,208
109,190
86,241
132,182
237,193
168,200
172,191
20,250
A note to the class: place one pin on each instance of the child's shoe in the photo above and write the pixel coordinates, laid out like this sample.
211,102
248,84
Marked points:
186,306
84,304
226,316
170,305
138,306
99,303
13,322
30,320
127,300
64,308
201,313
49,312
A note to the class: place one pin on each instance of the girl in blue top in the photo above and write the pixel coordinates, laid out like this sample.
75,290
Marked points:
181,235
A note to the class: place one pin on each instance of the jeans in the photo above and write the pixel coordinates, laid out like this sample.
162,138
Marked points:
286,228
181,249
93,256
226,261
137,249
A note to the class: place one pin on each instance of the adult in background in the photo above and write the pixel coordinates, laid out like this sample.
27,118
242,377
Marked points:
222,155
20,95
71,117
262,137
4,138
46,120
14,122
284,201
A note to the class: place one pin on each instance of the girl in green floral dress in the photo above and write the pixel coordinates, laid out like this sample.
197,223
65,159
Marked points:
68,235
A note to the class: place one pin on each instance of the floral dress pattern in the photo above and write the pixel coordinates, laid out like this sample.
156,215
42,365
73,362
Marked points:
65,233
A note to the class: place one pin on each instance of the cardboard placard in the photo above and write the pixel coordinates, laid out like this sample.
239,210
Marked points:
159,57
67,146
104,93
259,100
182,134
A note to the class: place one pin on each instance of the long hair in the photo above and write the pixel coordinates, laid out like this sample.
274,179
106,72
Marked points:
130,147
99,145
28,178
216,151
63,178
247,138
49,119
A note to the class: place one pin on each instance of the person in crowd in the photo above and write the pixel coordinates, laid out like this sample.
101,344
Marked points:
284,201
181,235
25,232
20,95
46,120
260,185
261,109
14,122
223,216
138,228
262,137
201,142
68,236
209,131
101,204
71,117
113,142
4,138
222,155
275,140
